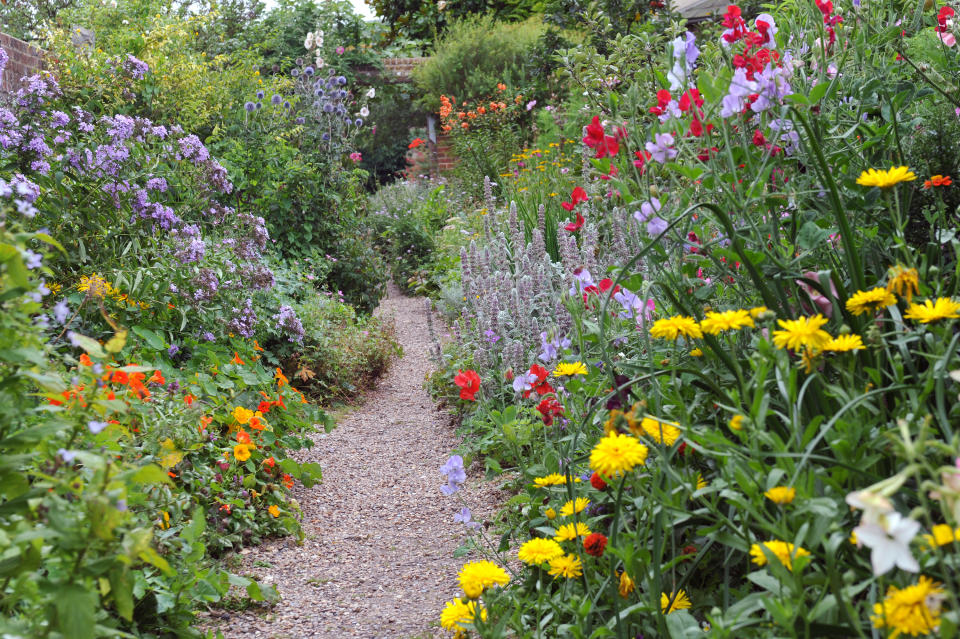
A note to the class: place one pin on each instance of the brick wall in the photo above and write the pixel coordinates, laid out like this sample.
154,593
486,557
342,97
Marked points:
399,69
25,59
446,159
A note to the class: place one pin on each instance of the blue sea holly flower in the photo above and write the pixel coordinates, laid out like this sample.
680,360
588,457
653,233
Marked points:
276,99
328,108
341,80
325,137
308,71
286,105
259,105
358,122
300,120
260,95
250,106
294,72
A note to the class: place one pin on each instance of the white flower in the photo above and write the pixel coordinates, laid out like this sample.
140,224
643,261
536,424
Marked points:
873,505
308,43
889,542
320,62
364,112
372,93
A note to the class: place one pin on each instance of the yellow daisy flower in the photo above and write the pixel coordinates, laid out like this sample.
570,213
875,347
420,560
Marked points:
870,301
477,576
568,566
914,610
575,506
680,602
616,454
715,322
844,343
537,551
783,551
802,332
885,179
458,612
904,281
756,311
565,369
569,532
781,494
661,432
673,327
553,479
626,585
736,422
942,535
932,311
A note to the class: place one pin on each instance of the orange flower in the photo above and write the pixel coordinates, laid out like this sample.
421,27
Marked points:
204,422
157,377
503,106
85,360
189,399
274,510
937,180
256,422
501,86
119,377
236,359
464,125
170,306
288,481
461,115
111,396
269,462
256,346
243,437
481,110
281,379
226,508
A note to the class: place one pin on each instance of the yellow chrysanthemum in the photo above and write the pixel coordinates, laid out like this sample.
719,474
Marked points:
783,550
932,311
756,311
716,322
736,422
696,352
567,369
680,602
903,281
885,179
553,479
914,610
550,514
616,454
853,537
870,301
458,612
844,343
241,452
626,585
942,535
539,550
242,415
804,332
661,432
569,532
781,494
673,327
574,506
567,566
477,576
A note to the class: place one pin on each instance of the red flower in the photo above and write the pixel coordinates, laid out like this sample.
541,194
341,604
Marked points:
642,157
594,544
573,227
469,383
611,174
597,139
416,142
157,378
597,481
663,99
264,407
577,196
549,408
758,139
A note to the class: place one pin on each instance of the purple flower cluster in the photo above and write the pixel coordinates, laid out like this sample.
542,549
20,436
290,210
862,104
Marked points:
244,320
135,67
289,323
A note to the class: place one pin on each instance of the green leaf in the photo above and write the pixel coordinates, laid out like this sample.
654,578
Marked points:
121,589
812,236
76,611
153,340
90,345
817,93
151,474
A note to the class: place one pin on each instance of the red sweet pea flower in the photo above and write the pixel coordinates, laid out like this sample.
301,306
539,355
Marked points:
577,196
612,173
758,139
945,14
597,482
597,139
549,408
663,99
573,227
594,544
469,383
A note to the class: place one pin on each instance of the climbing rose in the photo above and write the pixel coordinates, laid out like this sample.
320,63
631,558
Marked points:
469,383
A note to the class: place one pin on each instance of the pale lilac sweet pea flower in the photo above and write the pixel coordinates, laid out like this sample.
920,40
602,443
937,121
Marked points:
465,517
659,149
524,382
656,226
647,210
455,473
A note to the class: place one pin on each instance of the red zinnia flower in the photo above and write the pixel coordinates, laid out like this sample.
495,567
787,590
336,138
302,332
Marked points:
597,481
469,383
594,544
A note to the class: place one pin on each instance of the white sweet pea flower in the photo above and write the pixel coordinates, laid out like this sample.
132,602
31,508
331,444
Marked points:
320,62
372,93
364,111
308,43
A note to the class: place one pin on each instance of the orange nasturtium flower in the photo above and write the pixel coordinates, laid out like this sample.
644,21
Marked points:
204,422
274,510
243,437
241,452
189,399
236,359
256,346
85,360
281,379
158,378
242,415
937,180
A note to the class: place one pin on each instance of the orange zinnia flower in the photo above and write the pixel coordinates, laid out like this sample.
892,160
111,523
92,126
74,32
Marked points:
937,180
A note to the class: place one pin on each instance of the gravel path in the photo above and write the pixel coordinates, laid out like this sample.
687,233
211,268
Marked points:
378,556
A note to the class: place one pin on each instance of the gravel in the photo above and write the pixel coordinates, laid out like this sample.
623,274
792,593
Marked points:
377,560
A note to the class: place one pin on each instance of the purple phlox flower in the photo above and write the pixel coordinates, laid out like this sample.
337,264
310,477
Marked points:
95,426
61,311
456,474
207,336
656,226
660,149
288,322
244,320
647,210
4,58
135,67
